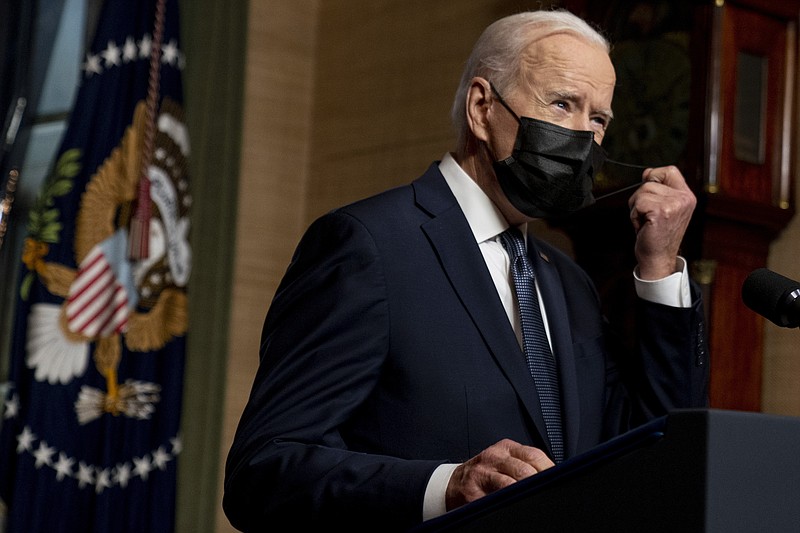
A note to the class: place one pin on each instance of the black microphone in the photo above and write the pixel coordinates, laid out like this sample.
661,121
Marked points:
773,296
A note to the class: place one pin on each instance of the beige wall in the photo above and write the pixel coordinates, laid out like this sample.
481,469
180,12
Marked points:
274,169
385,77
344,98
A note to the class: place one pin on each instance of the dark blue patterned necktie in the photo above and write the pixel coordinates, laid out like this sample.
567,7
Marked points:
541,362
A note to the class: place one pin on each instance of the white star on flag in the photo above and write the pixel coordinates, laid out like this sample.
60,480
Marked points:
43,455
85,474
25,440
63,467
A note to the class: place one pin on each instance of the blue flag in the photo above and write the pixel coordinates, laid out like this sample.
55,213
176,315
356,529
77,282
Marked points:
90,431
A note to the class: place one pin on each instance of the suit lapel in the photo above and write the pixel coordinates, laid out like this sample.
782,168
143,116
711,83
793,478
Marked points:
451,237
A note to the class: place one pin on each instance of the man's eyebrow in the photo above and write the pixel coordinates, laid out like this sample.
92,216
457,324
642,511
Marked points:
608,113
565,95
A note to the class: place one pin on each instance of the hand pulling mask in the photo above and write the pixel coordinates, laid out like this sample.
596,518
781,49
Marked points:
551,170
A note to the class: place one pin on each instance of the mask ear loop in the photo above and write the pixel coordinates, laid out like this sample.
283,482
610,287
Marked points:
504,104
625,188
614,193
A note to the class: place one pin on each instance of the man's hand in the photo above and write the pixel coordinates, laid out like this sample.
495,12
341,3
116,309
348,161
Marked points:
497,466
660,211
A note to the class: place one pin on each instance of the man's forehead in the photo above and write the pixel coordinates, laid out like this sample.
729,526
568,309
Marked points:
566,58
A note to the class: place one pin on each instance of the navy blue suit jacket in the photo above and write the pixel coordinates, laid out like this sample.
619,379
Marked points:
386,352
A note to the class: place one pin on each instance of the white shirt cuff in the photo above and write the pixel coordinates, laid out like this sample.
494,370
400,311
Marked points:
434,504
672,291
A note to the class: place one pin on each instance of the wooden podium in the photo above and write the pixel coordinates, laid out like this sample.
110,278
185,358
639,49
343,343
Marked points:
692,470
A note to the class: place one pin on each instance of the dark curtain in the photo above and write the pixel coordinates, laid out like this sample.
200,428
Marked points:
214,38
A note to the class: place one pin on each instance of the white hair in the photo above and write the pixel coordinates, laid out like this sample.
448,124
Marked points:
497,53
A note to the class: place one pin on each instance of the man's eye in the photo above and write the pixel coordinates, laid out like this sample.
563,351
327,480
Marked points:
562,104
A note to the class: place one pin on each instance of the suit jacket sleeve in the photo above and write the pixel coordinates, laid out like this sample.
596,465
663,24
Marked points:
323,344
669,371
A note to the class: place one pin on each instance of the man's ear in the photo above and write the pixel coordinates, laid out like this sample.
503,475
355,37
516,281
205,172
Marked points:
478,102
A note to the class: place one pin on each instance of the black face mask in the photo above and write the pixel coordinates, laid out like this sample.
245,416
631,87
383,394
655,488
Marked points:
551,170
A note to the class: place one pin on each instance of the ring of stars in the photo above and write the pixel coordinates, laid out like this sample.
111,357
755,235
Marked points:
115,55
100,478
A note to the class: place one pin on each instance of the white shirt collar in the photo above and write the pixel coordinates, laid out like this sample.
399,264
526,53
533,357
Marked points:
484,218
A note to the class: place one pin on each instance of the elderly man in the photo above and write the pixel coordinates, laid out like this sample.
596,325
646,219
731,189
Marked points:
423,351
